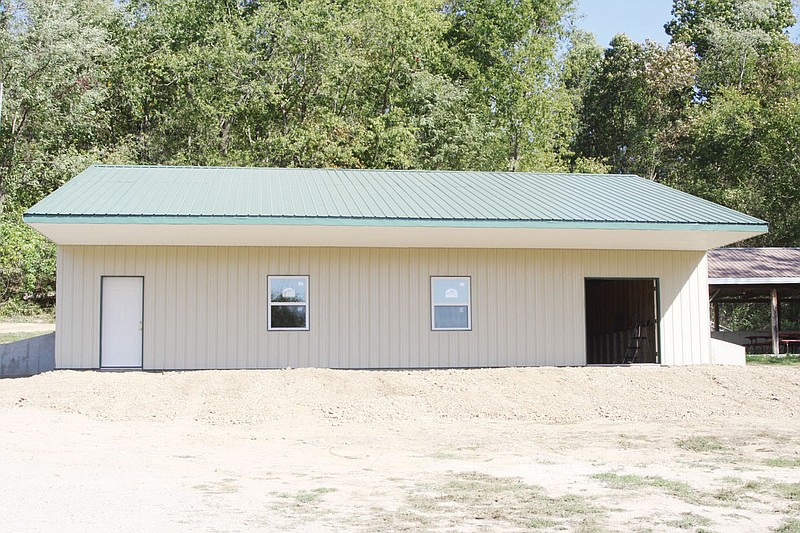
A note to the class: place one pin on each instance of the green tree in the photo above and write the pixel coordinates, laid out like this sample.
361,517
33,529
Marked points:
52,63
739,144
634,105
695,21
505,52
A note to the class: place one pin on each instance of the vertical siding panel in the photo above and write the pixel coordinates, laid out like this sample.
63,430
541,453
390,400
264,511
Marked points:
81,298
685,311
182,311
340,299
686,325
215,297
191,307
75,298
549,323
321,306
254,314
485,302
173,359
362,287
466,340
388,285
528,296
265,349
415,310
89,262
578,302
570,323
704,318
378,319
347,300
303,338
221,303
160,324
281,267
400,279
425,269
63,328
540,346
254,308
359,285
234,304
200,342
521,290
690,307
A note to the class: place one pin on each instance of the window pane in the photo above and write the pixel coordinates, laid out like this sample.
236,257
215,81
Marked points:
447,317
288,316
451,291
288,289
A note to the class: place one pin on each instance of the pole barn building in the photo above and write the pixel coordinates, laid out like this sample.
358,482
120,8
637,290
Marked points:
202,268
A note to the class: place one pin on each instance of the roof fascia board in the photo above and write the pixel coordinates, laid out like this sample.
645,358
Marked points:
385,237
753,281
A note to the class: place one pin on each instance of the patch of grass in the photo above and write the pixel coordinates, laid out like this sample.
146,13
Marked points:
629,481
789,526
788,491
753,485
736,491
6,338
785,360
689,521
499,502
305,497
783,462
25,311
701,443
728,494
226,486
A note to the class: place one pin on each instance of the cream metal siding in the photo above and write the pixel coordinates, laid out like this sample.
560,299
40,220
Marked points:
206,307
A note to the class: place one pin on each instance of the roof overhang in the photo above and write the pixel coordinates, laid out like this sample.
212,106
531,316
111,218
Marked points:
754,281
398,234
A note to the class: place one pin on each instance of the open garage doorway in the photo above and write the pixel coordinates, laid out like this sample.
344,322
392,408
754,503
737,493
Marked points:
622,321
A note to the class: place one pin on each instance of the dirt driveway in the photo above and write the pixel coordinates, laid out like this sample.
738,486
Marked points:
26,327
602,449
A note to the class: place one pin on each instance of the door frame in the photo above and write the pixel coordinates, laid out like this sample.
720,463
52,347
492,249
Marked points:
657,302
141,355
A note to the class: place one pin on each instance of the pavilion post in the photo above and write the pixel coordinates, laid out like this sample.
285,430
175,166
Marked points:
775,322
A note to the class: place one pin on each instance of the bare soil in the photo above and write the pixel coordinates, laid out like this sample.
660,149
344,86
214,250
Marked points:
26,327
551,449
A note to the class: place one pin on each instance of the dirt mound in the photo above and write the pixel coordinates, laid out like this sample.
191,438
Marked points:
335,396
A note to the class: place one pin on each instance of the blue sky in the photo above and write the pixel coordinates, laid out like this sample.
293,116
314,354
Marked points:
640,19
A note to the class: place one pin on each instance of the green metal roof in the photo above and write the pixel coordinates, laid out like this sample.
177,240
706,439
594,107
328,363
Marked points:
220,195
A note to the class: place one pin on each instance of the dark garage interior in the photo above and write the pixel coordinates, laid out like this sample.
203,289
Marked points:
621,321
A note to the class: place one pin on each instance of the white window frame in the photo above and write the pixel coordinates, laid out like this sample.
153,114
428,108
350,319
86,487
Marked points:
271,304
435,304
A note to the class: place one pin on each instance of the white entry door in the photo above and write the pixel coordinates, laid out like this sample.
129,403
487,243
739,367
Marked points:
121,319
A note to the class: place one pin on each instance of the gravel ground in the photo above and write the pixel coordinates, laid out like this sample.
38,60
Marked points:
527,394
552,449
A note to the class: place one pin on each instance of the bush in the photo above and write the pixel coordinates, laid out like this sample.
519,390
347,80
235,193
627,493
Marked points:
27,265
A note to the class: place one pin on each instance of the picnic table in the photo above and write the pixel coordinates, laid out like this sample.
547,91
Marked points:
786,338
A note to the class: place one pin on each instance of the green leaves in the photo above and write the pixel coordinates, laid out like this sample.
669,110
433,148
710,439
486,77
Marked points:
633,105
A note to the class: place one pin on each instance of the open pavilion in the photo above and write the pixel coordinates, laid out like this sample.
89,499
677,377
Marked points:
769,276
